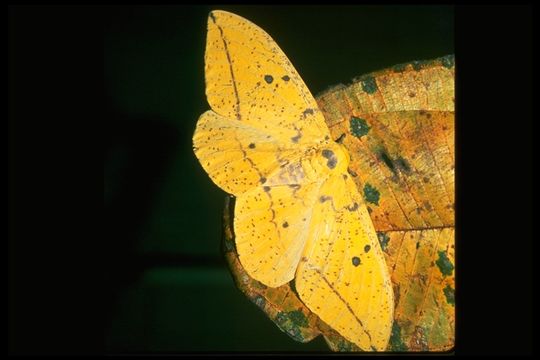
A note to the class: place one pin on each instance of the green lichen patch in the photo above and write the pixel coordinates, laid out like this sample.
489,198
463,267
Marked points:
291,322
448,61
417,65
346,346
359,126
383,240
445,265
228,245
259,301
399,68
257,285
298,318
371,194
337,343
449,293
396,342
369,84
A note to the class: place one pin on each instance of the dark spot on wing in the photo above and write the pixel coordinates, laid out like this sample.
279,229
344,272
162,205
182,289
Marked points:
327,153
262,180
339,140
308,112
251,146
356,261
268,78
331,163
285,224
296,138
266,188
353,207
285,78
367,248
332,160
324,198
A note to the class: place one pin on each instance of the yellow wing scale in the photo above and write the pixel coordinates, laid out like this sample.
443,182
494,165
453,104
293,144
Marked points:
297,215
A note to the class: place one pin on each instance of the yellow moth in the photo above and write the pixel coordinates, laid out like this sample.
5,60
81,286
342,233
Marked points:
298,214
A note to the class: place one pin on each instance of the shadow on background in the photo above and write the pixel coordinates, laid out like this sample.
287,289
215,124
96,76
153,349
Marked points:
138,151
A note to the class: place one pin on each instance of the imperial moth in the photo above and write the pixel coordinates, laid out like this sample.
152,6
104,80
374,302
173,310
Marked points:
299,216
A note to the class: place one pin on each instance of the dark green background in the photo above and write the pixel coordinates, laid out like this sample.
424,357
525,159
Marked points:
169,289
